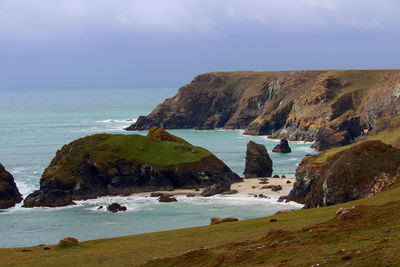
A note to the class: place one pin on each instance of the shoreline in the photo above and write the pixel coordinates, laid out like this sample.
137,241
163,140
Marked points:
250,186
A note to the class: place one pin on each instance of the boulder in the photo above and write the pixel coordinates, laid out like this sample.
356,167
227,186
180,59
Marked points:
282,198
275,176
258,162
9,194
167,198
215,189
115,207
230,192
282,147
276,188
108,164
156,194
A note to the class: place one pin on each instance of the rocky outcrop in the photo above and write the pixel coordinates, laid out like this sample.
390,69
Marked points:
258,162
9,194
216,189
360,171
333,107
105,164
282,147
115,207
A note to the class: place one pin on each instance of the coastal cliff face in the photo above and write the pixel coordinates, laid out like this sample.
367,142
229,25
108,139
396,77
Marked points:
9,194
360,171
333,108
105,164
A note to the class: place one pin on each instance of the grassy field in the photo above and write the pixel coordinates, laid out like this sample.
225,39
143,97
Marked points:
370,236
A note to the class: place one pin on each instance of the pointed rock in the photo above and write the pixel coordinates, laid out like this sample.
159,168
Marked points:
258,162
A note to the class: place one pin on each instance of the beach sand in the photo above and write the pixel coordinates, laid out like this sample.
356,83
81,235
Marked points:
250,186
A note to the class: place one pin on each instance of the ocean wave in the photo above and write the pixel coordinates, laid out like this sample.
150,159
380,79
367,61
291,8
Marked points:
132,120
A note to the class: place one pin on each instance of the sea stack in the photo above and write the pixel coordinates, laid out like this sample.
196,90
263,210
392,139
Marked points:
9,194
107,164
258,162
282,147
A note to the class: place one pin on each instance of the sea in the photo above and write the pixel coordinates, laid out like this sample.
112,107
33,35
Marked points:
34,124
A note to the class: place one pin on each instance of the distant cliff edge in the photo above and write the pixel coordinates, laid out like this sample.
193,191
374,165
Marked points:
331,107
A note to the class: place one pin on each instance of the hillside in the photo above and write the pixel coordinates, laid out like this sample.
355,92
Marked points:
332,107
367,235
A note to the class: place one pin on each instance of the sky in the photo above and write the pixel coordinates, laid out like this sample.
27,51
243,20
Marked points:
77,44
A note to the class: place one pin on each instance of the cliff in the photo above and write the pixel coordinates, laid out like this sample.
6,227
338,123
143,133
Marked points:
332,107
9,194
105,164
348,173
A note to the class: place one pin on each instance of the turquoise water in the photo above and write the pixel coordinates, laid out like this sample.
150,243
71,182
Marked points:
34,125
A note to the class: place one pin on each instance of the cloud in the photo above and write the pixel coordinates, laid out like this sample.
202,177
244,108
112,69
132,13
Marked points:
46,19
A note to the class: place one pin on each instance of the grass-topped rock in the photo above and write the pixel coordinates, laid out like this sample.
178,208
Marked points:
107,164
362,170
9,194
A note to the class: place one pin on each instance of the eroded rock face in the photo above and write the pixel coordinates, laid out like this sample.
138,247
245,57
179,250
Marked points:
106,164
258,162
282,147
9,194
327,107
357,172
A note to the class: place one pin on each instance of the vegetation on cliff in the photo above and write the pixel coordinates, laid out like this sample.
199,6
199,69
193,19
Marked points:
106,164
332,107
9,194
346,173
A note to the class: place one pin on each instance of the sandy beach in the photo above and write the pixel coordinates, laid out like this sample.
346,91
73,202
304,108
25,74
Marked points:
253,186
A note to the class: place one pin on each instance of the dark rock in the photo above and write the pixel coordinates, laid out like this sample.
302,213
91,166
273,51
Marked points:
100,208
288,182
9,194
273,220
360,171
276,188
115,207
275,176
258,162
230,192
282,147
267,187
101,164
167,198
262,196
156,194
197,189
215,189
283,176
282,198
263,182
190,195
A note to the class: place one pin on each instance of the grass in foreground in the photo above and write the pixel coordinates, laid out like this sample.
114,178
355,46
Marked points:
374,231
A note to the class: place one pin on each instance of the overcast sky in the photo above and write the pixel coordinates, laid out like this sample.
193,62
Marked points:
72,44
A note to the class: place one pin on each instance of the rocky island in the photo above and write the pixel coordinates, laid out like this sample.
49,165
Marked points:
330,107
9,194
107,164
